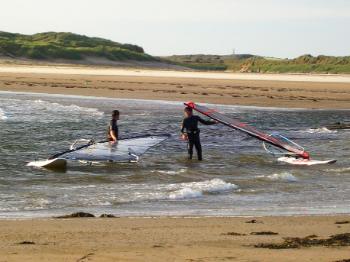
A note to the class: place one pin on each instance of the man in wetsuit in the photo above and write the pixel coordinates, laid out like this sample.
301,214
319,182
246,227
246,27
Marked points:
113,131
190,132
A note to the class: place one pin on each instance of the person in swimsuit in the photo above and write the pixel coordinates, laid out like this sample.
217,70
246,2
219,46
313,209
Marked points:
113,132
190,132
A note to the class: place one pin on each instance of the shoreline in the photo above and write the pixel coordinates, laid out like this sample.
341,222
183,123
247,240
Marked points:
168,73
255,90
176,239
117,216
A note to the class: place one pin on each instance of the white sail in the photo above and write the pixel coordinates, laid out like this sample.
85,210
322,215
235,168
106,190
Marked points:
125,150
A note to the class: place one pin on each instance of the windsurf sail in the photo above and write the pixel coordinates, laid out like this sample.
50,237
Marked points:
274,140
125,150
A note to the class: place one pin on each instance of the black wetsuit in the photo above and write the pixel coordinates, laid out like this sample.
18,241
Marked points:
113,126
190,127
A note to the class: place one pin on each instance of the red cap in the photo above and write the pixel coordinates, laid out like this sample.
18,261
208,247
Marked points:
190,104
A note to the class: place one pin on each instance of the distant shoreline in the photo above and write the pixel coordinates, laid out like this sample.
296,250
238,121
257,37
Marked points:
138,72
263,90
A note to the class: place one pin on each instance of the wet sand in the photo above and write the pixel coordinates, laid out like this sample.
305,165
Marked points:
293,91
169,239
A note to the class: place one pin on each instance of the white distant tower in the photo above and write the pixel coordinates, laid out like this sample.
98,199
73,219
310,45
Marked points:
234,52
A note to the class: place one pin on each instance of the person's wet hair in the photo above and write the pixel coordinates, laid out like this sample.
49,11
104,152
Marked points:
115,113
188,109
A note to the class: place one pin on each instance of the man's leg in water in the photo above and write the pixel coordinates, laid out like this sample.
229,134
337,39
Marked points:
197,144
190,146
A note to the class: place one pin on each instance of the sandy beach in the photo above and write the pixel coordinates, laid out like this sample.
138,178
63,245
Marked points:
174,239
294,238
294,91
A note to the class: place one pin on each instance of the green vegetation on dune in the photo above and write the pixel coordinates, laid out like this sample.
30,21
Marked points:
257,64
70,46
302,64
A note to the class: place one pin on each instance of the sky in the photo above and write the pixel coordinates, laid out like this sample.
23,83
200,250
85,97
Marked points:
277,28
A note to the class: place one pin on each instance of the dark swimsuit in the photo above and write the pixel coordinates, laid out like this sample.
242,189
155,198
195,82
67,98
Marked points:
113,126
190,127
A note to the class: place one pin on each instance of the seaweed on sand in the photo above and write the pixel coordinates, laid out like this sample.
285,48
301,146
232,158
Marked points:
342,222
234,234
26,243
338,240
77,214
264,233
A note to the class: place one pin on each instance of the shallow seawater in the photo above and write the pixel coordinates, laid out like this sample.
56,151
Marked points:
237,177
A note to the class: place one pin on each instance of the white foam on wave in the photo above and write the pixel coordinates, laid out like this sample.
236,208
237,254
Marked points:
37,204
197,189
171,172
3,115
284,176
53,106
185,193
339,170
322,130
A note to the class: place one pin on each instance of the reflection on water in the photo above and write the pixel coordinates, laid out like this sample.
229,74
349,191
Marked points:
236,178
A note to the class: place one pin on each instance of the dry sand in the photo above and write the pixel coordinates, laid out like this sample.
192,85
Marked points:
298,91
167,239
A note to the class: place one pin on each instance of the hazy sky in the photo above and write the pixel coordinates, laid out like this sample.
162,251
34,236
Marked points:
281,28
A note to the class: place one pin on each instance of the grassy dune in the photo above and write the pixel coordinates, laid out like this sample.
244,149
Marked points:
257,64
51,45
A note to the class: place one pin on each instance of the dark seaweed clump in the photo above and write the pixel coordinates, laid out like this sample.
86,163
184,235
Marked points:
107,216
26,243
309,241
234,234
264,233
342,222
77,214
253,221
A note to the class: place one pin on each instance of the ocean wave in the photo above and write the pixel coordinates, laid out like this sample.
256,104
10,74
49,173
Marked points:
52,106
339,170
284,176
197,189
185,193
37,204
3,115
170,172
322,130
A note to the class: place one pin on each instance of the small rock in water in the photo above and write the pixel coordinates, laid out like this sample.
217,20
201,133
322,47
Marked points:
78,214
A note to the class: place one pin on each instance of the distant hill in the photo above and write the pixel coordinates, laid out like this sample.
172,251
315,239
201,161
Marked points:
259,64
73,48
69,46
207,62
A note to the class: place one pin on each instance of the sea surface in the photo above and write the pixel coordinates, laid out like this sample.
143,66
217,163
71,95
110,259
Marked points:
236,178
